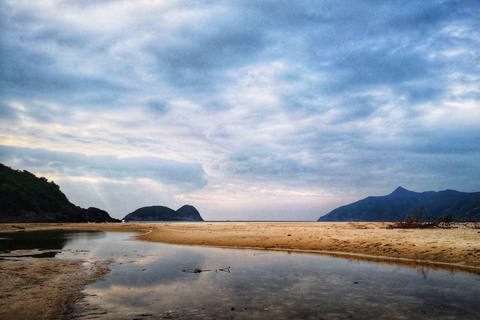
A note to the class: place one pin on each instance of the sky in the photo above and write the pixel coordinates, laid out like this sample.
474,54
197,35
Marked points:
248,110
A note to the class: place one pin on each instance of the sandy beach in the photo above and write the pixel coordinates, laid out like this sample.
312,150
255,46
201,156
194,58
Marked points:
42,282
459,246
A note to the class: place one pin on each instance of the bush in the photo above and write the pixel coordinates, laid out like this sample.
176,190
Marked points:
420,220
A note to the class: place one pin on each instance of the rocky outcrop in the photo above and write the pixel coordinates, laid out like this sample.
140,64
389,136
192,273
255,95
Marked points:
161,213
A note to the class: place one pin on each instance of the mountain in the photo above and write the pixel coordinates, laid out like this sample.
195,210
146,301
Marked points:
461,205
190,212
27,198
160,213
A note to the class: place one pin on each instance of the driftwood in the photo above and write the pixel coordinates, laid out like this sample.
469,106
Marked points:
227,269
420,220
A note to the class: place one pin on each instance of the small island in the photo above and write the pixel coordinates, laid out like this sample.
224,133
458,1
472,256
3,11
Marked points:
161,213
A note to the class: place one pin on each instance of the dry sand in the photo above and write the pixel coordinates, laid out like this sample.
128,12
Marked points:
44,288
459,247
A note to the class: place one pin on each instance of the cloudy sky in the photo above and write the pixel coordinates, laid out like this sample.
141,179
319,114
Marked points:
248,110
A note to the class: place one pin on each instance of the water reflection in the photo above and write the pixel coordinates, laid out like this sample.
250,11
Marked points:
148,281
43,241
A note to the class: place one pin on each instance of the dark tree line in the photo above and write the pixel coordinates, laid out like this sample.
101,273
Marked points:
23,191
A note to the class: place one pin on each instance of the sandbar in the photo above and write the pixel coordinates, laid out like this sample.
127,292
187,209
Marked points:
458,246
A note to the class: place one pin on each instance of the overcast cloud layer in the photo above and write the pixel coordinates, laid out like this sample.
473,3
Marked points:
245,109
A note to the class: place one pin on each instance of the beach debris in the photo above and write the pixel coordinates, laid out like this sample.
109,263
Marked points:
196,270
357,225
227,269
169,315
420,220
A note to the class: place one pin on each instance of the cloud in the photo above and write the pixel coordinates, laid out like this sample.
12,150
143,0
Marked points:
351,97
40,58
158,107
189,176
6,112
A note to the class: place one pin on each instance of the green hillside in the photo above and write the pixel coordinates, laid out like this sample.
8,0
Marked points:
27,198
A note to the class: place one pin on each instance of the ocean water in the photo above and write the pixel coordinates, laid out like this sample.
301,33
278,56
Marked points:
157,281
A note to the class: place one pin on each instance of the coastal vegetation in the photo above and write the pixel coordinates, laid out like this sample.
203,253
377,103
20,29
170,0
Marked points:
420,220
27,198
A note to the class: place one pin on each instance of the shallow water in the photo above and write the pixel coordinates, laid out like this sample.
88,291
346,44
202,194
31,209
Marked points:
45,243
147,281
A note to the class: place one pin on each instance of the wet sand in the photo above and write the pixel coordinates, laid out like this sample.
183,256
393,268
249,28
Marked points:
45,288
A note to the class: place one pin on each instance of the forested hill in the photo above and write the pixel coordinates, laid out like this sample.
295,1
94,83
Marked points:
27,198
460,205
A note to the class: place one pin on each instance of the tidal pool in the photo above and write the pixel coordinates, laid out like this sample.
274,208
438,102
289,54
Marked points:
156,281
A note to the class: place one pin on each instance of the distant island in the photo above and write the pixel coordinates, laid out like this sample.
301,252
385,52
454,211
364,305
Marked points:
27,198
161,213
460,205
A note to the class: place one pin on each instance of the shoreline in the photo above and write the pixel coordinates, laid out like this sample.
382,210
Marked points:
402,262
457,248
48,288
